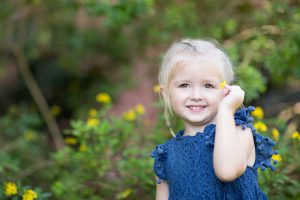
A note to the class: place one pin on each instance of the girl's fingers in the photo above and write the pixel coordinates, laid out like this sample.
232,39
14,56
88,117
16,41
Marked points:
233,96
226,90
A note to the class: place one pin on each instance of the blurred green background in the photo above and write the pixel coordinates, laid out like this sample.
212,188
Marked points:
79,110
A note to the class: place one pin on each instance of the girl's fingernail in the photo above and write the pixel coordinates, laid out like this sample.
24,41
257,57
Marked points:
223,84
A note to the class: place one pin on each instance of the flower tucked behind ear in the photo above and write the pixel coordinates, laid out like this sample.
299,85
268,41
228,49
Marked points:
156,88
223,84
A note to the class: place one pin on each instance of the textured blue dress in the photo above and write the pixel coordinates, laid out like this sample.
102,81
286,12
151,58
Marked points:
186,163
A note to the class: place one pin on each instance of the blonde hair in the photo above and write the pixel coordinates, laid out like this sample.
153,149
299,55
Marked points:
190,49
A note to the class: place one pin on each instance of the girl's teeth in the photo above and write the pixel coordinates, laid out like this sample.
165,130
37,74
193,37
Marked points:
196,108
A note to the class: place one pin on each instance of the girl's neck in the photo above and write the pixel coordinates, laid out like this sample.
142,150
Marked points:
192,130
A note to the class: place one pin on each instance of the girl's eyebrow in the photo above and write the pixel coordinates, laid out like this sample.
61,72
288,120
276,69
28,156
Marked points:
209,80
180,81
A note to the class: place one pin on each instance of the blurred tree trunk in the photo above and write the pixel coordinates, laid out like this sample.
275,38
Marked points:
21,62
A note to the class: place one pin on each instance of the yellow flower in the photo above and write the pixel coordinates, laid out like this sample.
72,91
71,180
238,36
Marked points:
103,98
156,88
260,126
125,194
275,134
82,148
296,135
55,110
29,195
258,113
129,115
93,112
140,109
30,135
92,122
277,158
70,140
223,84
10,188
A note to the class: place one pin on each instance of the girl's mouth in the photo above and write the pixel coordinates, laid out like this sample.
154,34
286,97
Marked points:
196,108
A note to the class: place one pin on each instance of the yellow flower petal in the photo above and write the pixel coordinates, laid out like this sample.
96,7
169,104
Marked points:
223,84
103,98
140,109
92,122
70,140
156,88
275,134
10,189
260,126
295,135
93,112
29,195
258,113
129,115
125,194
82,148
277,158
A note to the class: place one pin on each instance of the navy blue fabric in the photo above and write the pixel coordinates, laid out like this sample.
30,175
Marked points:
186,163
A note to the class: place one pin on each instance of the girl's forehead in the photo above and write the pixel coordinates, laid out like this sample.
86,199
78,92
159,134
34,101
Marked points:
203,68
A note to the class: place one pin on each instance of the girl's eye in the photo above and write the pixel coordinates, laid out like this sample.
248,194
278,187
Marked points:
208,85
184,85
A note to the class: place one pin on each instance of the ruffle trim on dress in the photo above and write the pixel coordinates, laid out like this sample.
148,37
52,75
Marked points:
160,155
263,145
242,118
208,134
264,151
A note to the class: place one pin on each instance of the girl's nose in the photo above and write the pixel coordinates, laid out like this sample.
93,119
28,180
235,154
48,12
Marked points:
197,94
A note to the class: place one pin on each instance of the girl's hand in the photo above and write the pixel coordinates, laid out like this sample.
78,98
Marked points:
233,97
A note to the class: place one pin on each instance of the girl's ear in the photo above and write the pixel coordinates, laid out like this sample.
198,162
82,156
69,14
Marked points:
162,89
163,93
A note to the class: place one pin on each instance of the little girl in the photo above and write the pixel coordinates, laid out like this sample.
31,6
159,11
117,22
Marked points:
217,154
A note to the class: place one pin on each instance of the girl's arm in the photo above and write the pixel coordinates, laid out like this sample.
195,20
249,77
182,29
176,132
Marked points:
234,147
162,191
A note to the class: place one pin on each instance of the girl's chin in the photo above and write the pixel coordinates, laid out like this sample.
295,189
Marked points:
199,121
195,122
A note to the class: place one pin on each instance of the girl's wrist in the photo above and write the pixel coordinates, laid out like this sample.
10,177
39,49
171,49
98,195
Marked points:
225,109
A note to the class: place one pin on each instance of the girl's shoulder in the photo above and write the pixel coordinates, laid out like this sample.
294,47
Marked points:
159,154
263,144
160,151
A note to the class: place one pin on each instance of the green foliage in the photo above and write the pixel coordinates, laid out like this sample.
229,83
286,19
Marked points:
283,183
246,77
76,48
113,155
21,133
18,119
17,191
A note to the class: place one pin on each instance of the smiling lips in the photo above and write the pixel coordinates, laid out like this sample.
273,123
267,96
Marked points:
196,108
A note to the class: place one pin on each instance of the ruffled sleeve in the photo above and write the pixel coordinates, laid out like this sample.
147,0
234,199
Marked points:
263,145
160,155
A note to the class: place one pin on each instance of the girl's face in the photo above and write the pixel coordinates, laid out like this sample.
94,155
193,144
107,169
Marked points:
194,92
